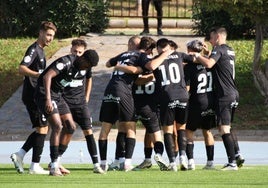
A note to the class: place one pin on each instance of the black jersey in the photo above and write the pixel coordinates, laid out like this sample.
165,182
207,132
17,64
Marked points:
35,60
66,73
224,72
200,81
121,81
74,94
169,77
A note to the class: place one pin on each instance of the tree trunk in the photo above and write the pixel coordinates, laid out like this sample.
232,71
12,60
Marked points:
260,80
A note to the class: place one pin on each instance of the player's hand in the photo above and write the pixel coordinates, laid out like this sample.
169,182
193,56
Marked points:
49,107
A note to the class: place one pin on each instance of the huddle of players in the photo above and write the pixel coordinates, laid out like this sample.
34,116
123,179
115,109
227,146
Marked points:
182,90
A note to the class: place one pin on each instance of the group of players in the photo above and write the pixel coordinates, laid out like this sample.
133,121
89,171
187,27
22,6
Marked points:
176,91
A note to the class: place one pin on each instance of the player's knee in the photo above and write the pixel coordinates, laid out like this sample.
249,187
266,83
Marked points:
69,127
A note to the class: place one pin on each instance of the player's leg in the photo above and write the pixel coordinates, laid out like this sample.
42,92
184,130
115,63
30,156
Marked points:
148,150
159,9
145,8
190,149
209,143
224,120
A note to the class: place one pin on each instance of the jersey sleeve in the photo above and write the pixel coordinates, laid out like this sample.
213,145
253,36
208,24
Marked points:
89,73
60,65
187,74
216,53
29,56
142,60
186,58
114,60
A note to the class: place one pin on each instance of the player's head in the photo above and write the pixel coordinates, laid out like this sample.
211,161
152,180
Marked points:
194,46
218,36
133,43
173,45
78,47
90,58
147,44
47,32
162,45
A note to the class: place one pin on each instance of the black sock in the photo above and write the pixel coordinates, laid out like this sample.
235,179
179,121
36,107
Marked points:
182,141
130,145
236,146
54,153
159,147
148,152
38,146
103,149
92,148
29,142
62,149
229,147
190,151
210,152
120,145
169,145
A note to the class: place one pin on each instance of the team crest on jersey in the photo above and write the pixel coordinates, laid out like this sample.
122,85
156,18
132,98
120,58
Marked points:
59,66
27,59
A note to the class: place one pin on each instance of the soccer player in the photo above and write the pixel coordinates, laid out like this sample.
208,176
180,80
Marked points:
222,62
77,96
118,104
32,65
201,106
173,97
146,106
48,96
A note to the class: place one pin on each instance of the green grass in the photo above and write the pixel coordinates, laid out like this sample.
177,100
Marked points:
82,176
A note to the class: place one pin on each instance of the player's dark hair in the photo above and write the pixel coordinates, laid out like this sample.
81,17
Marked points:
173,44
46,25
147,43
219,30
79,42
91,56
162,43
195,45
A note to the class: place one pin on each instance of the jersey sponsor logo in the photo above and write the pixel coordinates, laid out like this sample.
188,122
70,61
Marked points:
59,66
76,83
177,103
27,59
111,98
208,112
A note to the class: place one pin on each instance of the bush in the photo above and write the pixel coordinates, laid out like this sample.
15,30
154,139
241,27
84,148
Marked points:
205,19
22,18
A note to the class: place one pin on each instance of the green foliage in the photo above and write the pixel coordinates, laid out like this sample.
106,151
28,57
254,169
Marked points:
206,17
23,17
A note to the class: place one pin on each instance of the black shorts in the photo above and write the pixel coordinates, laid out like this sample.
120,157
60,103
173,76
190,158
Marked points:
148,115
115,108
37,119
225,112
81,116
59,104
173,111
200,120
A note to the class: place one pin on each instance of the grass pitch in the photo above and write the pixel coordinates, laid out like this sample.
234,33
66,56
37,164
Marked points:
83,176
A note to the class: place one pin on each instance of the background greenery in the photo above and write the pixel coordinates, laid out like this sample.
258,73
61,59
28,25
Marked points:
76,17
